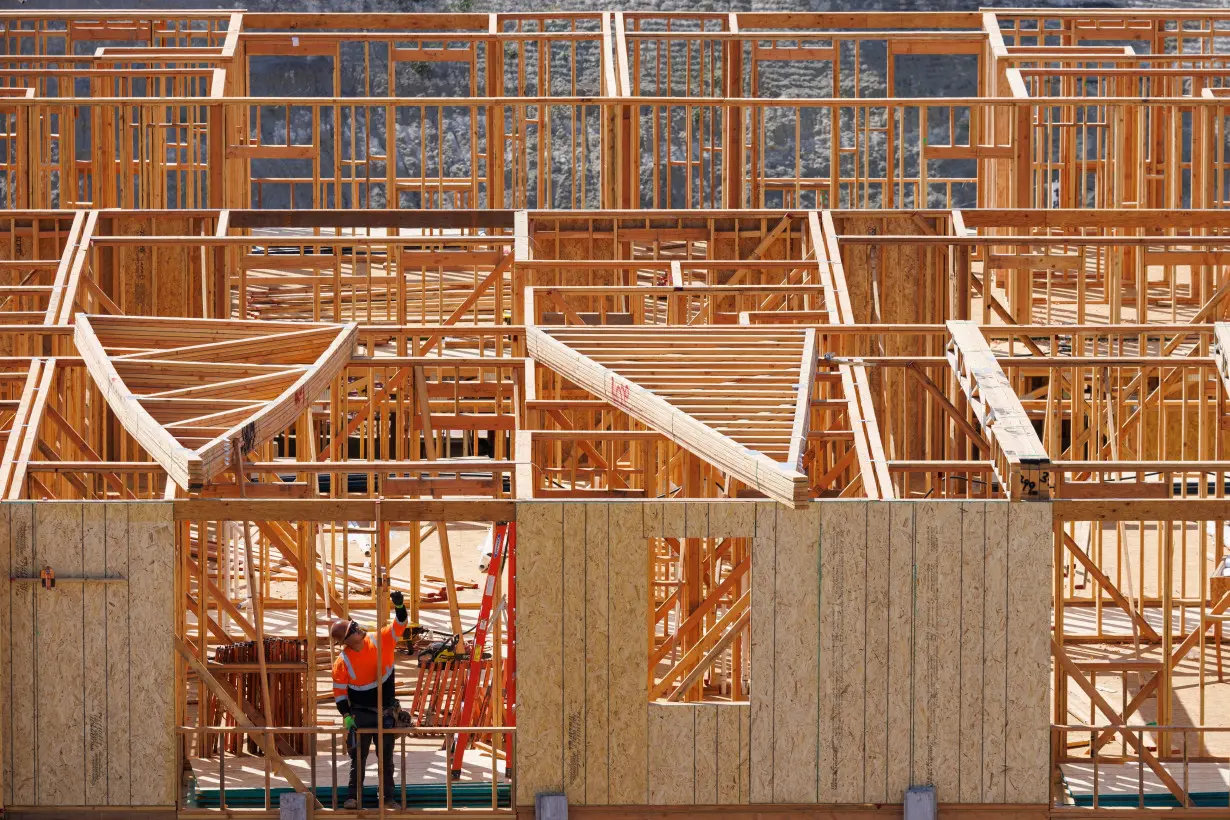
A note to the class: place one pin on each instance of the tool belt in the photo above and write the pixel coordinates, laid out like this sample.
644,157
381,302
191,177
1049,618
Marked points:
393,716
396,717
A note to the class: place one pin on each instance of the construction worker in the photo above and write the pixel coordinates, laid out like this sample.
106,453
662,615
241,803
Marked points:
362,684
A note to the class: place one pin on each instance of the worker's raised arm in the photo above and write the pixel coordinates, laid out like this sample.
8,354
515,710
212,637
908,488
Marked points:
401,618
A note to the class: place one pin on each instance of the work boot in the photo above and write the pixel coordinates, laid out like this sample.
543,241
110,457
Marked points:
351,804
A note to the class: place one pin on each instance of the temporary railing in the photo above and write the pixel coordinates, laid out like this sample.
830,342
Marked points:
473,144
166,162
1130,774
910,153
225,784
1172,34
709,146
76,152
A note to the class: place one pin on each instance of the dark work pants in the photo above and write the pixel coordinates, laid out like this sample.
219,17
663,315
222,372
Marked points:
367,719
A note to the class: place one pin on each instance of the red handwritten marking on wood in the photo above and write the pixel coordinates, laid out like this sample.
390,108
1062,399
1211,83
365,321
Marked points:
620,393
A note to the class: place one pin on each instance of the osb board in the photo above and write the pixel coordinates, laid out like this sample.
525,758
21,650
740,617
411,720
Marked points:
910,283
575,243
155,279
1189,433
34,237
539,627
905,284
920,615
88,713
882,638
590,730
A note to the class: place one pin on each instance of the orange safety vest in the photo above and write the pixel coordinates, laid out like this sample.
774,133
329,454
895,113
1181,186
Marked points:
358,670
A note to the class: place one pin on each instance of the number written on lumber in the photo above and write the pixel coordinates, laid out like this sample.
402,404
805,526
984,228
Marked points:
620,393
1029,487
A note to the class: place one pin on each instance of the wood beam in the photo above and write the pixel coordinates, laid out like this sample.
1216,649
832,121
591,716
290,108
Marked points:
1020,458
754,469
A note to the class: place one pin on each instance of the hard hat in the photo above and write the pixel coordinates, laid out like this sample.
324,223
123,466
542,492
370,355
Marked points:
339,630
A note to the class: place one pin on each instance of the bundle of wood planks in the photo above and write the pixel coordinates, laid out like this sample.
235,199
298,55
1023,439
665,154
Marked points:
287,659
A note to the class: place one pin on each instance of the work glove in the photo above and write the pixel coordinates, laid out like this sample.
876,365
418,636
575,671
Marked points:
397,598
348,722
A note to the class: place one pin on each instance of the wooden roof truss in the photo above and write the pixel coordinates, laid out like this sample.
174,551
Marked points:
192,390
738,398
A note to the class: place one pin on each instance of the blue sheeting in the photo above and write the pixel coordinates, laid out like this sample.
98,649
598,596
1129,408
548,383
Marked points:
1154,800
469,795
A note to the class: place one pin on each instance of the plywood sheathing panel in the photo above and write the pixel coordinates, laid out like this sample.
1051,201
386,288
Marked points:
948,646
575,641
899,665
118,672
1027,735
704,756
844,534
6,655
922,690
876,643
973,548
730,753
598,635
93,730
19,629
995,653
902,294
763,672
157,279
150,606
672,754
882,634
828,639
72,675
540,665
794,598
628,693
59,704
651,518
